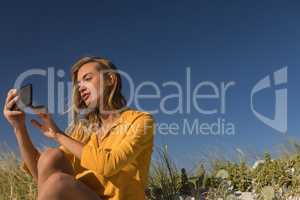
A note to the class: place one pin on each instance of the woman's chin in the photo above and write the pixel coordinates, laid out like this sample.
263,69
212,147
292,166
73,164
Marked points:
91,104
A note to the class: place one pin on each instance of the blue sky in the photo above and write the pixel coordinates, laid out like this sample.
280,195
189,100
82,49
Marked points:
220,41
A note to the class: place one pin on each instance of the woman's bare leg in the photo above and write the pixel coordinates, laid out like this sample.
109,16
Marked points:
52,161
62,186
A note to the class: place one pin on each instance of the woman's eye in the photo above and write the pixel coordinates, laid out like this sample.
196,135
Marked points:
88,78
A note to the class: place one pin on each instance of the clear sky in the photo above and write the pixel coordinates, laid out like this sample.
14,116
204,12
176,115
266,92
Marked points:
158,41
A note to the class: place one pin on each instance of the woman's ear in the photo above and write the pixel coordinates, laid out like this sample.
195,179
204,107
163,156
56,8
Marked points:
111,79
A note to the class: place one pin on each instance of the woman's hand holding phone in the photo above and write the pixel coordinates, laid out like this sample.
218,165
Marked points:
16,117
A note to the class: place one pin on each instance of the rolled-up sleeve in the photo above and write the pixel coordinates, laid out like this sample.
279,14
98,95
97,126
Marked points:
107,163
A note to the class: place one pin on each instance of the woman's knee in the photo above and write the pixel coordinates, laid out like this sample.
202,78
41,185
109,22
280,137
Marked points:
50,158
64,186
56,186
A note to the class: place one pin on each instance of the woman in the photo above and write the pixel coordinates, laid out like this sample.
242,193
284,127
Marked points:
106,152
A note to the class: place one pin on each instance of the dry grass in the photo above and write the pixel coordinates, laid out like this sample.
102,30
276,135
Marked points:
14,183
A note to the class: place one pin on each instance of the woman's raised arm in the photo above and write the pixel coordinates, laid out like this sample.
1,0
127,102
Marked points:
16,118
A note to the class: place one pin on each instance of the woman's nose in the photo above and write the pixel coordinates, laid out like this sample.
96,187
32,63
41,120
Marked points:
81,88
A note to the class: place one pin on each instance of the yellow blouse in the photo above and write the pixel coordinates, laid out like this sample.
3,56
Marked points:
118,167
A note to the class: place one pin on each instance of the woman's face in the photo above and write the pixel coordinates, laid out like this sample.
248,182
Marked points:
89,88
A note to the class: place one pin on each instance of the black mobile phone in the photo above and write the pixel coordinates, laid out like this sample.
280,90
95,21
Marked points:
25,98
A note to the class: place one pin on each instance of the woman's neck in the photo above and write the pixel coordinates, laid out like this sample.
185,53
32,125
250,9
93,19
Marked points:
109,117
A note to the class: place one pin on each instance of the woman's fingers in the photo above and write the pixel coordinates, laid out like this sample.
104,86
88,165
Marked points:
48,132
38,125
14,113
10,95
43,115
12,102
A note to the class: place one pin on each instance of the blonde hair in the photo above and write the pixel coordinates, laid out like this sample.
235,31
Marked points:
112,99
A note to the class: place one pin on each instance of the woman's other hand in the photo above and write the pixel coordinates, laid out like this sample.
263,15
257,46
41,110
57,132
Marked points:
48,127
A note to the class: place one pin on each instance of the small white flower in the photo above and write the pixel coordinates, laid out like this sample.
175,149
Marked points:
257,163
223,174
247,196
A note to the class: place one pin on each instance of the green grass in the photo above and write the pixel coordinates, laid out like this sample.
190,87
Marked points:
271,180
274,179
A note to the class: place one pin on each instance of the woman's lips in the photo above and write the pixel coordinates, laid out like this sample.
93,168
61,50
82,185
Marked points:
86,96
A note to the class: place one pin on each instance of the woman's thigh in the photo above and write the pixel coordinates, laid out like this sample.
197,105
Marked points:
64,186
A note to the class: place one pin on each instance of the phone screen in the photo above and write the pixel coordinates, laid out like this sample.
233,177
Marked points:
25,100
